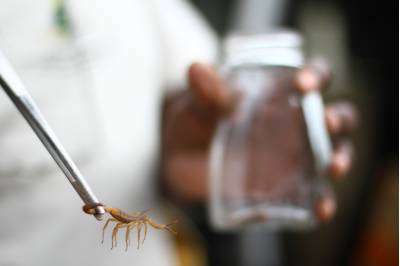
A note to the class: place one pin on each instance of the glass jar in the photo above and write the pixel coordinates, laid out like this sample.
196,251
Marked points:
269,155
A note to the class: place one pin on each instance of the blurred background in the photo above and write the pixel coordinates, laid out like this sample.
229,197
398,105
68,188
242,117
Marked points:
358,40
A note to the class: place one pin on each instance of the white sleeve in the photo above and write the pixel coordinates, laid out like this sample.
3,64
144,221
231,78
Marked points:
185,38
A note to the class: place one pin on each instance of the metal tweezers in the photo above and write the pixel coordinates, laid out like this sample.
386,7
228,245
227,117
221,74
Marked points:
14,88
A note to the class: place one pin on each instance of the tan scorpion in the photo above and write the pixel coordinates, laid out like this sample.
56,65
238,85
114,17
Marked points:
129,221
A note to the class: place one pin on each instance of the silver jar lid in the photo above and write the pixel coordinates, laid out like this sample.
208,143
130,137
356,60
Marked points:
280,47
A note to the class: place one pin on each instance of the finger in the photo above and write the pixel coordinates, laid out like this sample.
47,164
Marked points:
313,77
341,118
208,87
321,66
342,158
326,207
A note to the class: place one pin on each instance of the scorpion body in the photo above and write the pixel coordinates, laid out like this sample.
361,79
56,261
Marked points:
136,220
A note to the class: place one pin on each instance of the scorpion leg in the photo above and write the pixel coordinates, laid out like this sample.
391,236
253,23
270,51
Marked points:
141,213
127,235
145,232
114,234
139,228
105,226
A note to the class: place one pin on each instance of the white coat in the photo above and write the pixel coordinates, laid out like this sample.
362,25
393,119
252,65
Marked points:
101,90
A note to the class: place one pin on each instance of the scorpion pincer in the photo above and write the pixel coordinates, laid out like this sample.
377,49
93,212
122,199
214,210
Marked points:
136,220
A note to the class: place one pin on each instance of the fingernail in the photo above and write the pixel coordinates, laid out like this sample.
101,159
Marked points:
340,164
201,76
327,209
307,81
332,121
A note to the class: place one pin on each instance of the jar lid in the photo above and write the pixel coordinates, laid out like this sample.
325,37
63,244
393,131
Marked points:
280,47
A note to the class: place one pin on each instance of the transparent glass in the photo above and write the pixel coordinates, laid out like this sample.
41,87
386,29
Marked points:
262,165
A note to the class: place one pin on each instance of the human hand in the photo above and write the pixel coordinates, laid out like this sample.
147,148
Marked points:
190,118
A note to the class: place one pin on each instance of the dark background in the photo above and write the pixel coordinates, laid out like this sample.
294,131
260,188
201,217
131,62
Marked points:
365,229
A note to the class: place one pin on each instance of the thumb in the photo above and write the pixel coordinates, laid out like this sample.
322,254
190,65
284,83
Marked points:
208,88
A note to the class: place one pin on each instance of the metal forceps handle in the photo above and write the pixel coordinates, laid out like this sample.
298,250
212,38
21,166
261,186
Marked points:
14,88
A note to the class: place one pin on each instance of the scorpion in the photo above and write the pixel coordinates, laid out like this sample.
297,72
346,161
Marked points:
129,221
